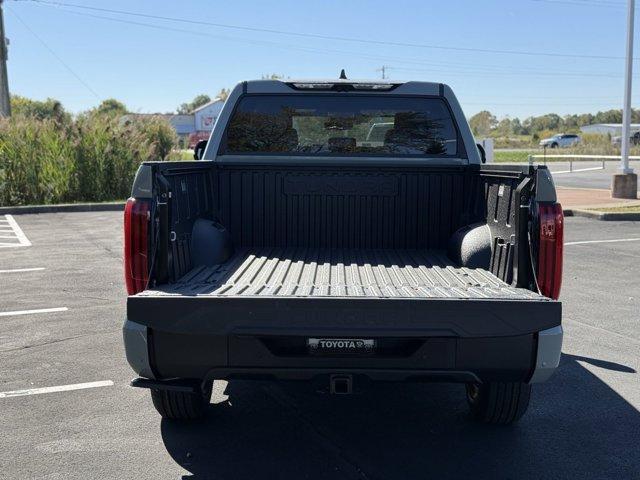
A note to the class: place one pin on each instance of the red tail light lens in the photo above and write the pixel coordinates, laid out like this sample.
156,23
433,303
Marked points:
550,253
136,266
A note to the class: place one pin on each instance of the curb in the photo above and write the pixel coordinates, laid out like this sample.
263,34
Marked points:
70,207
604,216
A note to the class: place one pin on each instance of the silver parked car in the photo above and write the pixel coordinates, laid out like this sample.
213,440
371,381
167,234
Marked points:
561,140
634,139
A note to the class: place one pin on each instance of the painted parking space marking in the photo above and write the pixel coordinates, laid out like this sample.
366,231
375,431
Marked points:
615,240
30,312
22,270
11,235
59,388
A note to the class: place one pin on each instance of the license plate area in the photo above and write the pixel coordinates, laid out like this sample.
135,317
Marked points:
341,346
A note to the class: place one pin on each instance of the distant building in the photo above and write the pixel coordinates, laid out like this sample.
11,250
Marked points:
613,129
182,124
206,115
190,127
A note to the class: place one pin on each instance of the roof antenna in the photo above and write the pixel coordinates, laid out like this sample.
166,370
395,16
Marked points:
343,76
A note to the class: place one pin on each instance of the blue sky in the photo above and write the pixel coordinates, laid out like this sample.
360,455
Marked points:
156,66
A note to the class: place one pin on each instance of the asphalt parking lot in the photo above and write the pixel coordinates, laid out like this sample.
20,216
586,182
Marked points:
62,304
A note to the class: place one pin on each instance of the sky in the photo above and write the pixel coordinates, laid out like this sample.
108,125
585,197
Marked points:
514,58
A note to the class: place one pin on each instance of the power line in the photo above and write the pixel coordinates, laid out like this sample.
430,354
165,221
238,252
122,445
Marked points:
327,37
480,69
55,55
500,74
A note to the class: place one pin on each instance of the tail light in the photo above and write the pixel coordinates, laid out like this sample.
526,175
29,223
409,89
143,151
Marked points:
550,251
136,265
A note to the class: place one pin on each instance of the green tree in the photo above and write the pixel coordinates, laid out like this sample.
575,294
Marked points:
198,101
610,116
40,109
483,122
504,127
223,94
111,107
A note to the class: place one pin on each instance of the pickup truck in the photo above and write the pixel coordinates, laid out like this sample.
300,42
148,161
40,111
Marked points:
293,249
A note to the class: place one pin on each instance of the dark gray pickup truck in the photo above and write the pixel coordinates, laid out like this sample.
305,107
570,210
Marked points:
299,249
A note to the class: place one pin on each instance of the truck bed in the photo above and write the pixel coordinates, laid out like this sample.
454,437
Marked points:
316,272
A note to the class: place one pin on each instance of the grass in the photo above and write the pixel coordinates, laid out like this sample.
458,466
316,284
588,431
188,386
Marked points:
523,156
89,158
619,209
589,145
513,157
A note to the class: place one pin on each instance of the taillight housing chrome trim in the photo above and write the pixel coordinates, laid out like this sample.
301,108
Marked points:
136,244
550,249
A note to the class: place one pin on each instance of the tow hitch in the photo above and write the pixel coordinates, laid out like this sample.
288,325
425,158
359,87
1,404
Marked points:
340,384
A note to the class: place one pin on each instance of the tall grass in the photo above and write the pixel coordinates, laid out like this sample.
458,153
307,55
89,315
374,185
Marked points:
90,158
590,144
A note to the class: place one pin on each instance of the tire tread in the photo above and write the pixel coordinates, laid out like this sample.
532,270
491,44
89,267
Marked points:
180,405
500,403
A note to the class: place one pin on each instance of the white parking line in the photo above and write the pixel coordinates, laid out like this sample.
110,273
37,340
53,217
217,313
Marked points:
584,242
18,234
29,312
19,270
60,388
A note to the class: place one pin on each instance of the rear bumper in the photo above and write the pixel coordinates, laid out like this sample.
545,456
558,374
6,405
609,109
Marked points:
158,354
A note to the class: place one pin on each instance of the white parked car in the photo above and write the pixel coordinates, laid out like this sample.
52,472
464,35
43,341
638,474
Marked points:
561,140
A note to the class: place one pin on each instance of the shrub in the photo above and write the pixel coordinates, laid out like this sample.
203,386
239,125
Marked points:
91,158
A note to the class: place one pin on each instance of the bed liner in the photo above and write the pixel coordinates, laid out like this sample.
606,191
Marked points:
315,272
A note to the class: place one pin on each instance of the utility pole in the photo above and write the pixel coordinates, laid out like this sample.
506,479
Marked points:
5,103
625,183
383,69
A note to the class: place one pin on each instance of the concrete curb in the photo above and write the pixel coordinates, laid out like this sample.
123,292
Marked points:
70,207
604,216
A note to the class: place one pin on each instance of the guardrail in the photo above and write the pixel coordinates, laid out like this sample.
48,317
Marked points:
580,158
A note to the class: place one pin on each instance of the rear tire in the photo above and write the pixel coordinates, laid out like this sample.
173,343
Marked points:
182,406
498,403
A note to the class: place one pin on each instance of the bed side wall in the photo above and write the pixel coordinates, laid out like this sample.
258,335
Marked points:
339,207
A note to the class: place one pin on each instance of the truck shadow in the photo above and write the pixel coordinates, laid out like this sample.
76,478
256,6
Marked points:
576,427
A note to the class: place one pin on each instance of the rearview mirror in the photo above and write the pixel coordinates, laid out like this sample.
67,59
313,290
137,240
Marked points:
198,150
483,154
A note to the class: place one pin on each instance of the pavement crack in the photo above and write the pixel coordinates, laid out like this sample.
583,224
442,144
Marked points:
51,342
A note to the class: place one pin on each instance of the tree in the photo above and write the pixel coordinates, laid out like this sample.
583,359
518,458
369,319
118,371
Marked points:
200,100
49,108
610,116
516,127
272,76
504,127
483,122
111,107
223,94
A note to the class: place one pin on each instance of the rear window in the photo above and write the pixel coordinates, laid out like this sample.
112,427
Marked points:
306,124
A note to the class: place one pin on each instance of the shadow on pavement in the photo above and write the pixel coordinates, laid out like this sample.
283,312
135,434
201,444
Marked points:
576,427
